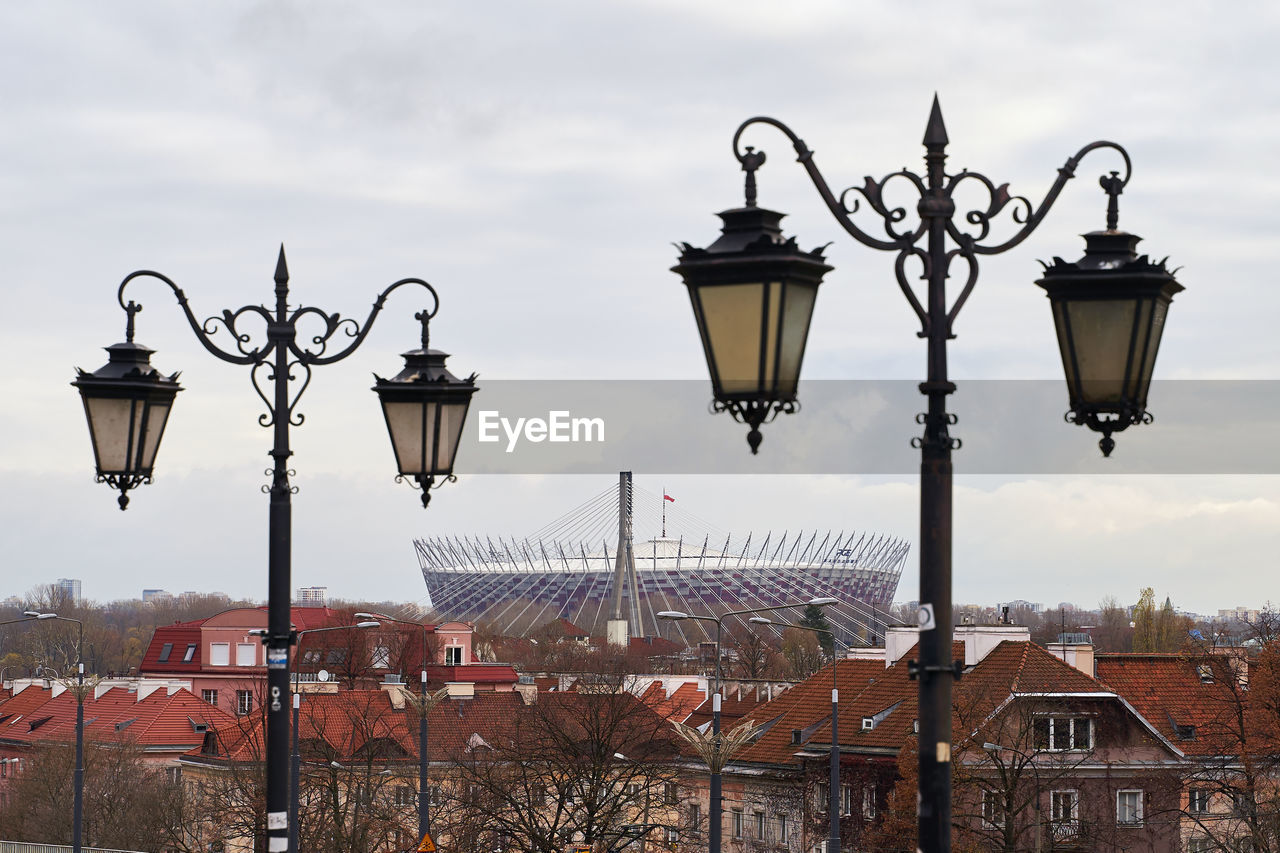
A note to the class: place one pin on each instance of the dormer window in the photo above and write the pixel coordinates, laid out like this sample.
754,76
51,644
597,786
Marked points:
868,723
1205,672
190,653
795,736
1058,734
165,651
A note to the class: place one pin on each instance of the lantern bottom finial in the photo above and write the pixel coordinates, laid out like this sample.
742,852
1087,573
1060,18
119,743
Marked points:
754,437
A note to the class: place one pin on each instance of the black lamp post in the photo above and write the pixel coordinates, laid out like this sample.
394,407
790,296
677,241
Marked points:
717,805
1109,309
127,402
424,793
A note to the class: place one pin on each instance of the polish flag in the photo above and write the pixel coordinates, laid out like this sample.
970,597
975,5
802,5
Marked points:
667,497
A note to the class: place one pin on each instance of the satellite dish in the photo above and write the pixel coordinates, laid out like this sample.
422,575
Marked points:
322,675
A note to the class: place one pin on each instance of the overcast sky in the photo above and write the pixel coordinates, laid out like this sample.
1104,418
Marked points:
535,162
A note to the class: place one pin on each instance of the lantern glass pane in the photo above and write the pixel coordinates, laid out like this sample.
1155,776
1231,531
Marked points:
404,422
1102,337
1064,346
1159,307
452,416
115,423
795,332
731,316
157,414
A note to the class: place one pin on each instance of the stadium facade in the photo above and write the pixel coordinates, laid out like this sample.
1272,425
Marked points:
569,570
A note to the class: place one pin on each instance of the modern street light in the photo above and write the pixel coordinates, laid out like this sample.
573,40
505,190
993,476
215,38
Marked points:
715,794
295,763
753,294
833,795
77,810
127,403
424,793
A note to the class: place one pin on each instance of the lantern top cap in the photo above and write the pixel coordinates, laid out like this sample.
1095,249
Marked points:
128,361
423,366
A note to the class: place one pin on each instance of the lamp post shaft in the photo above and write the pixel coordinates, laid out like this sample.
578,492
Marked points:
279,568
935,665
717,804
424,792
77,816
295,774
833,841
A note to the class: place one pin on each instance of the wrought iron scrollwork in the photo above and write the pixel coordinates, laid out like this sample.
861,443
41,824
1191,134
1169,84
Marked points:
755,414
277,335
968,243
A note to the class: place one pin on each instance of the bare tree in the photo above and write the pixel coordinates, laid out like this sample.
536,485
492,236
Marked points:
571,767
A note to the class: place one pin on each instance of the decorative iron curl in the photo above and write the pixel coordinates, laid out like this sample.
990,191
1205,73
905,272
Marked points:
873,191
229,320
332,324
1119,422
755,413
424,483
123,482
998,198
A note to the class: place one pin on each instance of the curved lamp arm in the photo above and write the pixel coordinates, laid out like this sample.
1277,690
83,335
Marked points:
204,331
836,205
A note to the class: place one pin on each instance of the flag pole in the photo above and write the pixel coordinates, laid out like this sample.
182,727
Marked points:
664,512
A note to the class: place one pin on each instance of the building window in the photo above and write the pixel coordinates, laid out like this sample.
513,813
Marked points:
1200,844
453,656
1205,671
670,795
737,823
673,835
381,658
869,802
404,795
210,696
190,654
244,701
165,651
759,825
1242,804
868,723
246,654
1198,800
695,817
1064,806
783,836
219,654
822,797
1057,734
992,809
1129,808
846,800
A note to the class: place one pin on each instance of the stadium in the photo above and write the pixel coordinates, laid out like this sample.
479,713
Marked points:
588,568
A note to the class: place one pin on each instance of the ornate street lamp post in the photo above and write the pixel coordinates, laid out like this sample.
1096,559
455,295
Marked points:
752,294
127,403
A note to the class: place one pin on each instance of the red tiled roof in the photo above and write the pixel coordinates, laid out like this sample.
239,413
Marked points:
158,720
804,705
679,705
1168,691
